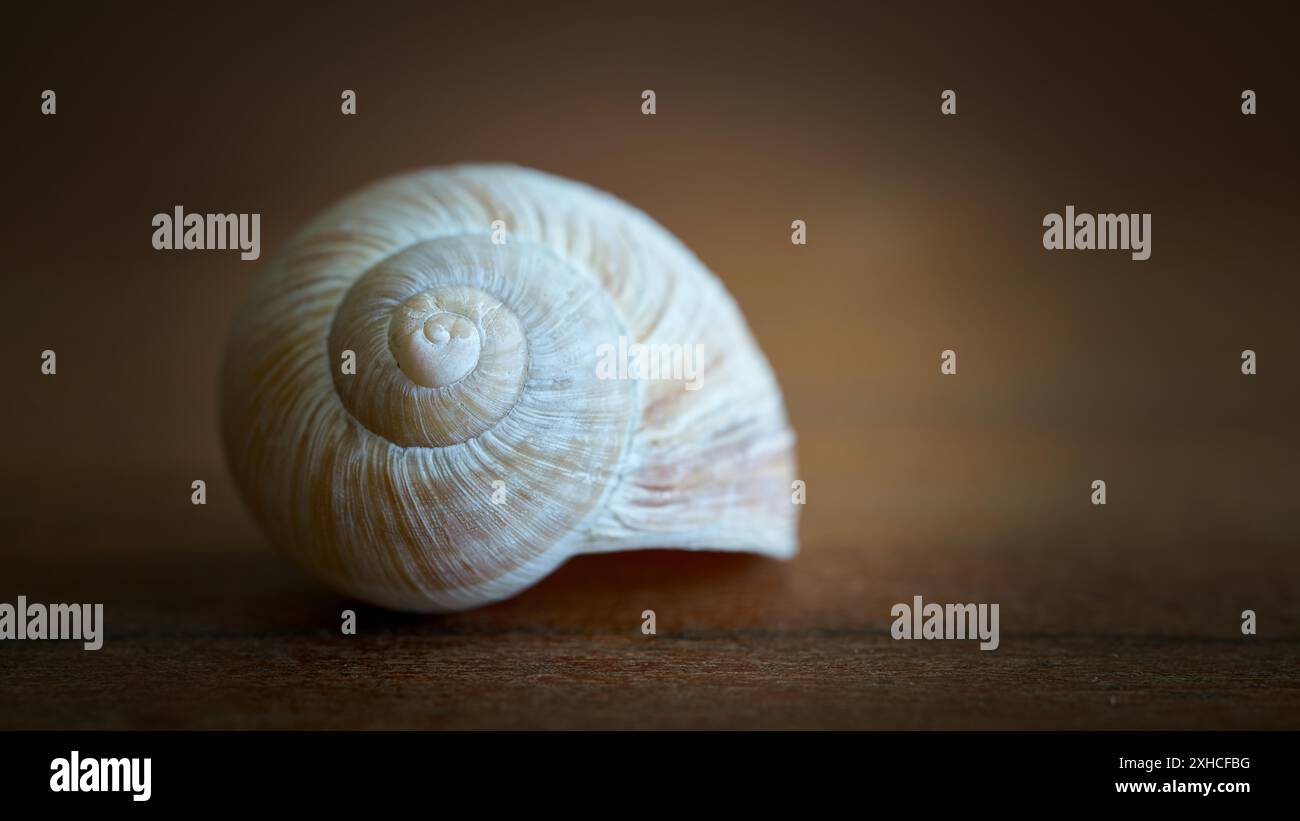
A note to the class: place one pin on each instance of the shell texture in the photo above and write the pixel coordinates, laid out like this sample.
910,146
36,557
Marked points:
477,444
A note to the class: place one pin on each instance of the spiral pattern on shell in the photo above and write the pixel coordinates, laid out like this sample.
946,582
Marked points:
476,447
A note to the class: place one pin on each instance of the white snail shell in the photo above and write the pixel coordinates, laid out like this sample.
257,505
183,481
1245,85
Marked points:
475,448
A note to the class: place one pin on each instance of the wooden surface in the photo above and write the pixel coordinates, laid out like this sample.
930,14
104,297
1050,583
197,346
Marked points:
1092,636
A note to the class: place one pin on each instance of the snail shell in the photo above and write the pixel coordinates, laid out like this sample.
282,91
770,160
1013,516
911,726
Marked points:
477,446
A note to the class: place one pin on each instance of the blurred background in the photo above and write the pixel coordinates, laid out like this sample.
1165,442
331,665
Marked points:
924,234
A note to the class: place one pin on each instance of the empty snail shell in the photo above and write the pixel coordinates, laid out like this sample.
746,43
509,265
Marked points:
476,443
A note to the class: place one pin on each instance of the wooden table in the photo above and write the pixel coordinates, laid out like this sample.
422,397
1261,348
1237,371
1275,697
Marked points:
1094,634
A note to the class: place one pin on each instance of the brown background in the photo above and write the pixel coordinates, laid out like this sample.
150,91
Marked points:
924,234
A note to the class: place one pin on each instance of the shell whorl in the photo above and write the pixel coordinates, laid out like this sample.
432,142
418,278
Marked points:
476,447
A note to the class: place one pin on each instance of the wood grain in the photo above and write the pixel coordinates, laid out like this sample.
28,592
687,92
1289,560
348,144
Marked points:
1092,637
